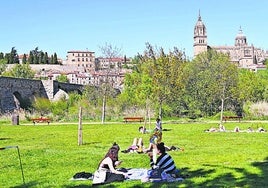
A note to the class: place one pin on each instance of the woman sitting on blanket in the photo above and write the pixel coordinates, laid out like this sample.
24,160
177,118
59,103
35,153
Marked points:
164,161
109,164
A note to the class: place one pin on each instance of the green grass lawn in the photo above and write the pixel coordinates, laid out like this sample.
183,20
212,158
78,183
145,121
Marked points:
51,156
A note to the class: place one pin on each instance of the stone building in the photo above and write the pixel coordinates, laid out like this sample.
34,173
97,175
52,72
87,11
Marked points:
242,54
85,59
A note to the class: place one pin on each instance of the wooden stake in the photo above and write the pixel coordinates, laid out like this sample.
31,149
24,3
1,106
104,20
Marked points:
80,137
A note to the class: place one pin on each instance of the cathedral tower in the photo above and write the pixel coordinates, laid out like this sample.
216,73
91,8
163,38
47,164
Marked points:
200,37
240,39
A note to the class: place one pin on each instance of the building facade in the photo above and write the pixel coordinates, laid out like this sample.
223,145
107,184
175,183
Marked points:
242,54
85,59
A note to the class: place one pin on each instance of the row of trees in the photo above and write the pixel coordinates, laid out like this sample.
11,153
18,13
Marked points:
205,86
35,57
169,85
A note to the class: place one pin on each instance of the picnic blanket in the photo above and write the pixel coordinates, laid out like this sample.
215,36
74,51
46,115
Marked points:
133,174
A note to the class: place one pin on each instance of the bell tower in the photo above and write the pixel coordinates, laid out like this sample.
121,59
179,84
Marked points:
200,37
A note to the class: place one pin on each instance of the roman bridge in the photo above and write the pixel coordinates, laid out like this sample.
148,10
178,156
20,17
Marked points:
19,92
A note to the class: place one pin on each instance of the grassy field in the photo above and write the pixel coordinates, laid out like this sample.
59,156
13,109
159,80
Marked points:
51,156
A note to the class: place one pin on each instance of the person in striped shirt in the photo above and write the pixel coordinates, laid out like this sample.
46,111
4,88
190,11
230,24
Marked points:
164,160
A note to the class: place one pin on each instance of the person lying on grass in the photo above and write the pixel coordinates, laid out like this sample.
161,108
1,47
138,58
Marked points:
137,147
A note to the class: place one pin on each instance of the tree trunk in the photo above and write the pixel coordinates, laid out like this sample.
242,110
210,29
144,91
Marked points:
222,105
103,109
80,137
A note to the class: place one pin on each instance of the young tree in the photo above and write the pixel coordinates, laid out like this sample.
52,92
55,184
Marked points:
109,52
164,70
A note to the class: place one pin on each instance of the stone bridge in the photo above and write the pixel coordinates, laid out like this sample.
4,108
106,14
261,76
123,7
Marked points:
18,93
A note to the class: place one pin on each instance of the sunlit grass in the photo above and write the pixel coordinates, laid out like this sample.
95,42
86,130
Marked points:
51,156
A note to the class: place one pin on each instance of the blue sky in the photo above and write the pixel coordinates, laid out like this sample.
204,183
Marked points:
63,25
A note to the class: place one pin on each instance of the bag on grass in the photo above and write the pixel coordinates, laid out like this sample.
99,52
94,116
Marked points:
82,175
99,176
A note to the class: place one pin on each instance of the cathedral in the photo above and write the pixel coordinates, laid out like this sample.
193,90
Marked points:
242,54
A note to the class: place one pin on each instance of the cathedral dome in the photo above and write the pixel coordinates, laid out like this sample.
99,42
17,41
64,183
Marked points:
240,39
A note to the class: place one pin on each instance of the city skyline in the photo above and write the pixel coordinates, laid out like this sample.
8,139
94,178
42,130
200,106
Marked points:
65,25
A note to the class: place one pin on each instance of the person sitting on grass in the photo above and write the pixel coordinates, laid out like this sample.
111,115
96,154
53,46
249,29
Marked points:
164,162
108,164
222,128
142,130
236,129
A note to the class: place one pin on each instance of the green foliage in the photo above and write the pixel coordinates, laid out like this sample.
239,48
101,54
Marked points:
12,57
50,155
3,65
20,71
252,86
59,109
208,80
155,77
42,105
62,78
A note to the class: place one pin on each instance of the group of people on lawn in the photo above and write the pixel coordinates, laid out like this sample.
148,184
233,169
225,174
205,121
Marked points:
163,163
236,129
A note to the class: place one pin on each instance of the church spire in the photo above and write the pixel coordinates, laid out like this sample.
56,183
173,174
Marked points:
199,16
200,36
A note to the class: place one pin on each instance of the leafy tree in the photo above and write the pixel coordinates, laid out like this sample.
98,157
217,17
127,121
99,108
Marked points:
42,105
51,59
45,58
24,59
62,78
251,86
60,108
55,59
3,65
21,71
1,55
164,71
209,81
41,58
31,58
12,57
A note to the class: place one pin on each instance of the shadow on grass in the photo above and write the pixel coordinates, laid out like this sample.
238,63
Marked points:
247,179
5,138
27,185
91,143
229,179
